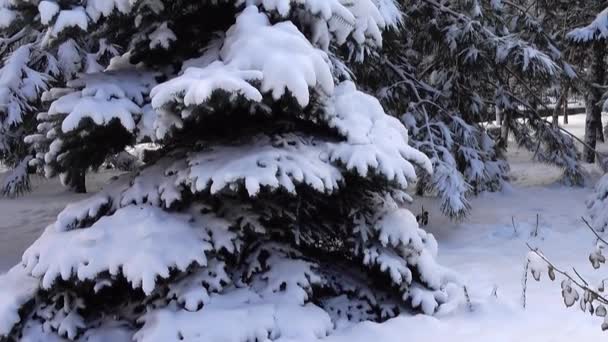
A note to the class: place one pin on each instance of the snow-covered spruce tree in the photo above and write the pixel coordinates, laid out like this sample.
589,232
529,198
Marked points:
38,53
24,74
275,208
592,38
447,68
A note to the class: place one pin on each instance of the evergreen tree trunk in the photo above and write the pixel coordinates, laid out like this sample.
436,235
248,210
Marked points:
593,123
565,105
498,116
504,129
558,106
75,181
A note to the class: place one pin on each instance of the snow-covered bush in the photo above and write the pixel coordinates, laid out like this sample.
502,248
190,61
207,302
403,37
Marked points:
276,207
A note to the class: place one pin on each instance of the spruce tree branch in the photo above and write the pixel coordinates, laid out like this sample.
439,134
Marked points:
526,11
408,81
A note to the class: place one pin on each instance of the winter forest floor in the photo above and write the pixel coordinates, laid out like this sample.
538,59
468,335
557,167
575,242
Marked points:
484,250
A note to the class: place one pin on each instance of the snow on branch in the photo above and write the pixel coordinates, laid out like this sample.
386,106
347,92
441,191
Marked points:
103,97
281,163
196,85
19,84
256,317
60,19
596,30
83,253
363,20
278,56
74,17
281,282
526,57
194,290
281,52
17,181
375,141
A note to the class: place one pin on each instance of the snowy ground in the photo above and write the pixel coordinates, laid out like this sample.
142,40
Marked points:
485,250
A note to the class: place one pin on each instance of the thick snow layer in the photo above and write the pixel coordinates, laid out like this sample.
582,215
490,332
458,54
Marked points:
16,288
84,256
103,97
112,332
279,56
48,10
154,185
322,8
101,111
257,319
375,142
75,17
195,86
262,163
293,65
399,227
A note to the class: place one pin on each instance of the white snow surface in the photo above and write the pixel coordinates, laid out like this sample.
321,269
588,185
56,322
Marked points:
48,10
485,250
75,17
